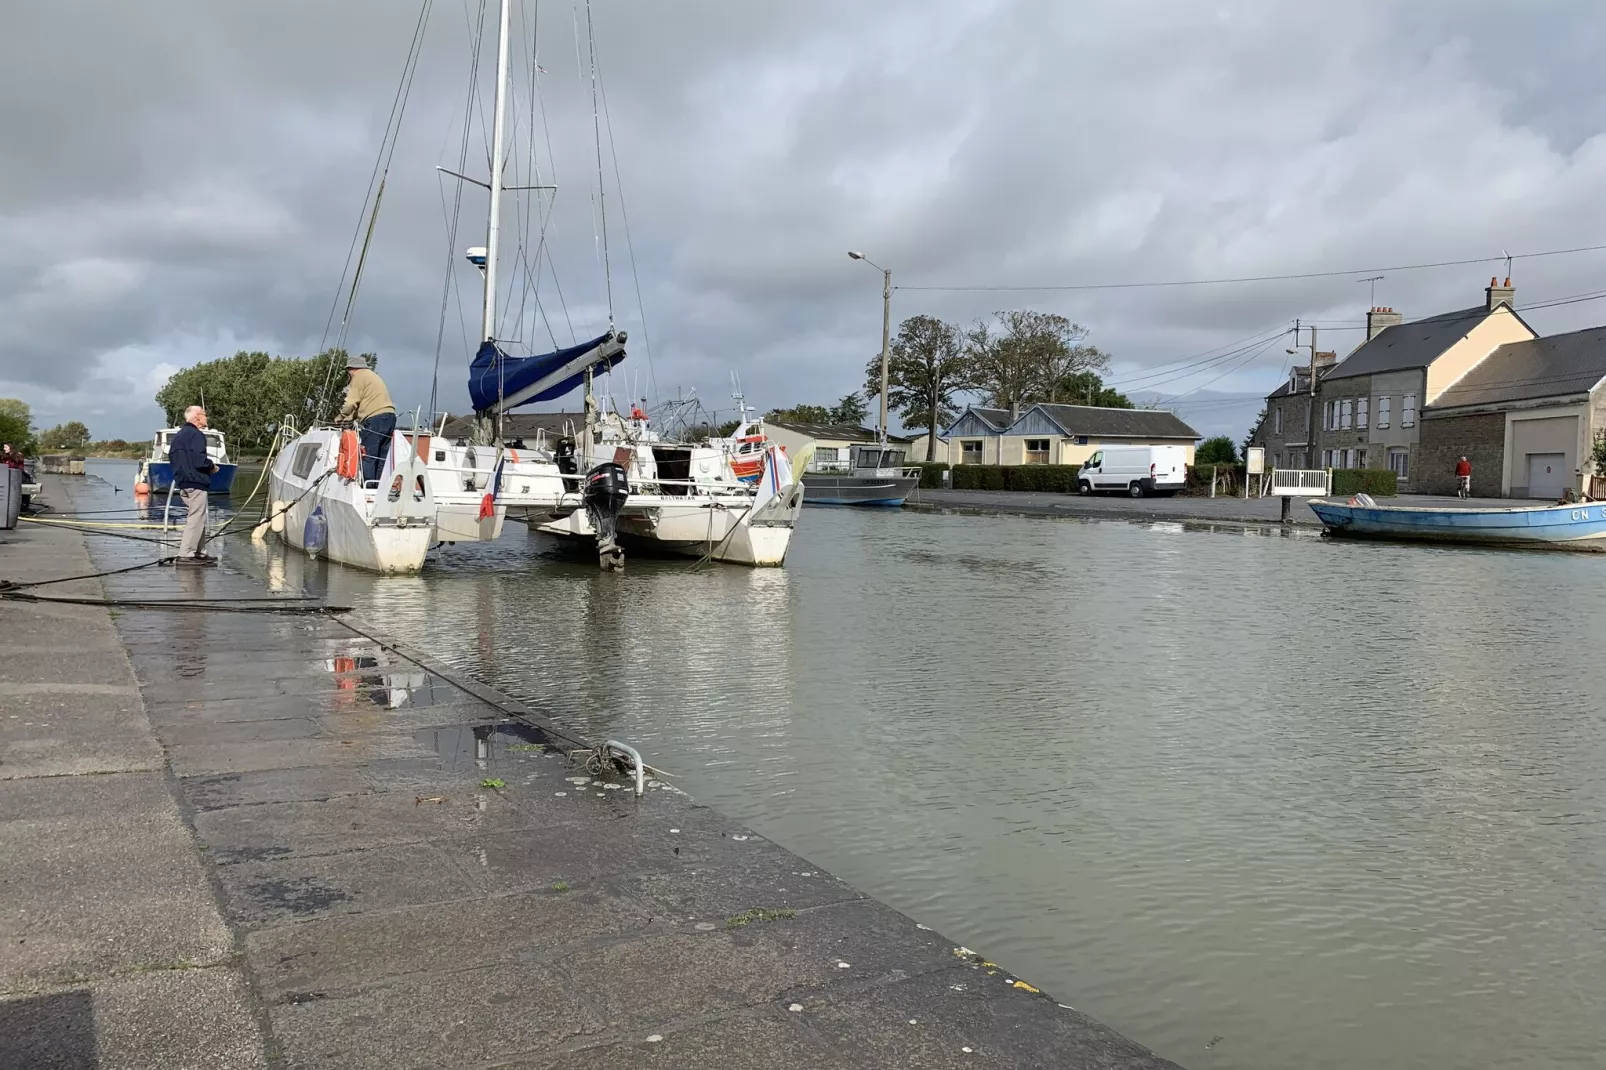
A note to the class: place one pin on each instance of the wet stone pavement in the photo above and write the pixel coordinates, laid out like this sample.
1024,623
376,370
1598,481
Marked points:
359,862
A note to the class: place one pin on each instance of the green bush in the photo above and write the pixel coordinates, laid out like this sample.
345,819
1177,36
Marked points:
1052,478
930,473
1379,482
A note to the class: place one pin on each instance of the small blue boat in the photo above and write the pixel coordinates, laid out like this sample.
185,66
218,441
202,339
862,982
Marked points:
1573,526
156,471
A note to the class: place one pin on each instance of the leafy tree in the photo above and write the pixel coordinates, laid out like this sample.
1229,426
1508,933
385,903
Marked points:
71,435
1024,357
801,414
1218,450
1087,388
927,366
850,410
246,393
16,425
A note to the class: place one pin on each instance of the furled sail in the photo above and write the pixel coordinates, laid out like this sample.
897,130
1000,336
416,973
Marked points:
498,382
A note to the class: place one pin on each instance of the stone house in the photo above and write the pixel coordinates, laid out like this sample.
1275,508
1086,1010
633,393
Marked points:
1366,410
1527,418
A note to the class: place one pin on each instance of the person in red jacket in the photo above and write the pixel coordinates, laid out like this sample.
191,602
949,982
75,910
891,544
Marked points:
1463,478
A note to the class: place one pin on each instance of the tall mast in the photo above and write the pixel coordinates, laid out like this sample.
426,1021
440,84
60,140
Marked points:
494,222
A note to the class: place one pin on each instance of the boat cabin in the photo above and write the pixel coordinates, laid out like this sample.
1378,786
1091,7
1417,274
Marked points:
216,450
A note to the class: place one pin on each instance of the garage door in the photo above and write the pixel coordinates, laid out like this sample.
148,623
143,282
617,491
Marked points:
1547,475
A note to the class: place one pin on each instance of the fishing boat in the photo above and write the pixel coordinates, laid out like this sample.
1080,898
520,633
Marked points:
323,507
873,475
156,470
1567,526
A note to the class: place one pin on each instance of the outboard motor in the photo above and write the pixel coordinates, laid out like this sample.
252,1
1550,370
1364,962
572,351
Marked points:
567,463
607,487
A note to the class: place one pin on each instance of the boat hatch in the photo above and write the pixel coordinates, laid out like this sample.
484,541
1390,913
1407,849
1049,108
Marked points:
673,464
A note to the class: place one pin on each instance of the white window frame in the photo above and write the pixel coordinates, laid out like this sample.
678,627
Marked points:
1277,420
1346,414
1327,458
1361,406
1383,411
1408,411
1402,470
1360,458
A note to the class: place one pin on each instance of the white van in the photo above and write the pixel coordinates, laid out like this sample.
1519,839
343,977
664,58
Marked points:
1135,470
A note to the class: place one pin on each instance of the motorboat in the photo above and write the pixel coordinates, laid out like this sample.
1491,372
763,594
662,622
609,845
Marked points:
872,475
156,470
1565,526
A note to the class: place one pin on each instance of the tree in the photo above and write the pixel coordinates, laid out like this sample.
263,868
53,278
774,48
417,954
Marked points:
69,436
1218,450
246,393
850,410
801,414
1087,388
926,367
16,425
1254,430
1025,357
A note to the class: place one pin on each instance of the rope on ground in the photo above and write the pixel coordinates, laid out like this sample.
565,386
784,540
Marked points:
7,586
227,605
99,531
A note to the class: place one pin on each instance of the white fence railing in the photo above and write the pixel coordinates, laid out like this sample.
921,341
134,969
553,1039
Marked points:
1308,482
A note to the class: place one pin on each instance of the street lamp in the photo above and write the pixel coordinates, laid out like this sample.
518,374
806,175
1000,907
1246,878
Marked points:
886,331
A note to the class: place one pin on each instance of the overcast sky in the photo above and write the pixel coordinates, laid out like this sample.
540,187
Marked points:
181,179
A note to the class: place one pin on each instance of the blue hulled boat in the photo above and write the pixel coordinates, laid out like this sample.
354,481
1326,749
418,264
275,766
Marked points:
156,471
1573,526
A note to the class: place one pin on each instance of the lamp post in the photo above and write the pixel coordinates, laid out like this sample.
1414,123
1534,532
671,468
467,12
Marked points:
886,331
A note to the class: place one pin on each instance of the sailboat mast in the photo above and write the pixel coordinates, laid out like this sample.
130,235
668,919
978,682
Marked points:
494,221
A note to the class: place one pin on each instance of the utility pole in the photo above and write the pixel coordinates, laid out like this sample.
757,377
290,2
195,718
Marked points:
886,338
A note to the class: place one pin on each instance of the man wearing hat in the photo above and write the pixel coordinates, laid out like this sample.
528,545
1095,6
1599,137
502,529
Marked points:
368,404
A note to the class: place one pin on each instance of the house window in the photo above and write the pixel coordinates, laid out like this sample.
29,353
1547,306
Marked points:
1327,416
1360,458
1277,420
1037,451
1360,414
1408,411
970,452
1383,411
1277,460
828,459
1327,458
1081,440
1346,415
1398,461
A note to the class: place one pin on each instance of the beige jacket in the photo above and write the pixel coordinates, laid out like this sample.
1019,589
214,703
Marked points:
365,396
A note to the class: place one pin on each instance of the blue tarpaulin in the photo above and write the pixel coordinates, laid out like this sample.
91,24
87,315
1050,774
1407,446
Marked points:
494,375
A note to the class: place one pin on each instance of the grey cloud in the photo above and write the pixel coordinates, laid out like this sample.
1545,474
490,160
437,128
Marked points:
191,182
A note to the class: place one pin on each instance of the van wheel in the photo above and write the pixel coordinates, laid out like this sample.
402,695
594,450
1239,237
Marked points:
1084,488
1136,490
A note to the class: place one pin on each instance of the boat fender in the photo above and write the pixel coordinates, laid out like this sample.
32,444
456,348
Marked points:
349,464
315,533
276,525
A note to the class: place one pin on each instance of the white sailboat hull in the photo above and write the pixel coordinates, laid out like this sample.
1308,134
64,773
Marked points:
386,529
726,529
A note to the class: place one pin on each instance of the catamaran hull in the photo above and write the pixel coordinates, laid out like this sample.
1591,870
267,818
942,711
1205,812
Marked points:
720,533
1558,527
351,539
461,522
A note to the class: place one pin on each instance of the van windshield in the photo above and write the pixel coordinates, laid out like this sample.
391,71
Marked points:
1095,460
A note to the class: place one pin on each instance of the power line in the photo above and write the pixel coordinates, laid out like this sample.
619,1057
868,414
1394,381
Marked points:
1503,258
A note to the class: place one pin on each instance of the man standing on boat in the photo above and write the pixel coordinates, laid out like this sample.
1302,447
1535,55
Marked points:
192,476
1463,478
368,404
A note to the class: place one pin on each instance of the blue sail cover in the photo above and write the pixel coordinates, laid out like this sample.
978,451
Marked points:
494,375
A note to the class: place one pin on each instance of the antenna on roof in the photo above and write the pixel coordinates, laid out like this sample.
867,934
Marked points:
1508,263
1372,298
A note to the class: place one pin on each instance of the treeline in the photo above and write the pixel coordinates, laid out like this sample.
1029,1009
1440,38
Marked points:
247,395
1016,359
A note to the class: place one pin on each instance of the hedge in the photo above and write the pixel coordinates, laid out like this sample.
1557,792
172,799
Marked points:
1055,478
930,473
1374,481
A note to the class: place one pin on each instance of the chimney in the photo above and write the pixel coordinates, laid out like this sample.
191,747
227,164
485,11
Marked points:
1497,295
1380,319
1325,361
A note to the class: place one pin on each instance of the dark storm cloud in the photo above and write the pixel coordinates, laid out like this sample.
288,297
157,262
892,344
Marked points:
189,182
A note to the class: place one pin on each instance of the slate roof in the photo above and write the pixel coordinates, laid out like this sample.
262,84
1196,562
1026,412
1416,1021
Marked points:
1409,345
997,419
1554,366
1116,423
836,432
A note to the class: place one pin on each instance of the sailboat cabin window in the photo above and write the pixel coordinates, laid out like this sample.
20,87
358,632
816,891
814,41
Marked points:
306,457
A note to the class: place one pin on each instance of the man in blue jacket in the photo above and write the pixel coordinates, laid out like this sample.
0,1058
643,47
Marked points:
192,475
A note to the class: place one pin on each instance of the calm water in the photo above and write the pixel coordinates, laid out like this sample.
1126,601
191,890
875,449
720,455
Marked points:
1335,805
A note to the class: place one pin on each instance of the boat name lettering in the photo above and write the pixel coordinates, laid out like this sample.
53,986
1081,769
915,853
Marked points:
1583,514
